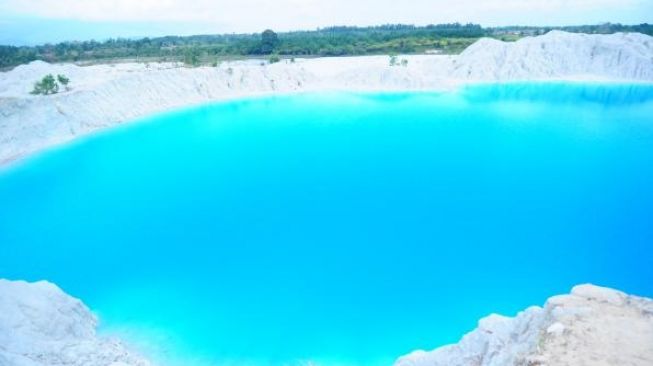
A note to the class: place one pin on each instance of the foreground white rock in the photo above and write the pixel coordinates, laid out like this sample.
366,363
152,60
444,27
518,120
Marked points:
105,95
592,326
42,326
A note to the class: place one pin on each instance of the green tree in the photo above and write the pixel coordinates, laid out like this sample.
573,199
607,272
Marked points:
192,56
47,85
269,41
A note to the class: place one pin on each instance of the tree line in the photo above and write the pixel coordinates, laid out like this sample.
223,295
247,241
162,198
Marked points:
331,41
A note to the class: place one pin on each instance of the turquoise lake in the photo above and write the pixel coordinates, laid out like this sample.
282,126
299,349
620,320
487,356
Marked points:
342,228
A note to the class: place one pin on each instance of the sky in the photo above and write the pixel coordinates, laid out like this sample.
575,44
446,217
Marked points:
39,21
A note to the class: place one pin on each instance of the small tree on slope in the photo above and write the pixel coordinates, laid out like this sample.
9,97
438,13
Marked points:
63,80
47,85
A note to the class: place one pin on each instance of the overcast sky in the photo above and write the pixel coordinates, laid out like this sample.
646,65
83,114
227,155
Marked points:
37,21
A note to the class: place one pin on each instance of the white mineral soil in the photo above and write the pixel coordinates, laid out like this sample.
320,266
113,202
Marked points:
40,325
101,96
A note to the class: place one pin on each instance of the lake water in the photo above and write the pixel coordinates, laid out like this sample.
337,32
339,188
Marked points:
339,228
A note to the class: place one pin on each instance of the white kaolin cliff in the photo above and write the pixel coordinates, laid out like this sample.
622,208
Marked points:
559,55
104,95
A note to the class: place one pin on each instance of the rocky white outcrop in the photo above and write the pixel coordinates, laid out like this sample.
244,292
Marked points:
557,54
42,326
591,326
105,95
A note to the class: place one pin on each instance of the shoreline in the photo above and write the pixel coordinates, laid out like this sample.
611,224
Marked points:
63,107
105,95
454,87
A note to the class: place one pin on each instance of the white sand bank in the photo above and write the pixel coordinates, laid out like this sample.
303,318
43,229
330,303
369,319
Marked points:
104,95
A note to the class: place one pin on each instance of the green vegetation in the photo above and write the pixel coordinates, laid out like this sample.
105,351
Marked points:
47,85
50,85
269,42
63,80
192,57
332,41
274,59
394,60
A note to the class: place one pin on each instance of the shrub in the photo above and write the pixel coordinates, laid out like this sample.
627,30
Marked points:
393,60
63,80
274,59
47,85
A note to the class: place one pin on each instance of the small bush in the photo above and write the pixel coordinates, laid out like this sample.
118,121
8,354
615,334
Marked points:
47,85
394,60
274,59
63,80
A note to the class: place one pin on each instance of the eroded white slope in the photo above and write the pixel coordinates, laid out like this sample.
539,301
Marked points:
591,326
40,325
620,56
105,95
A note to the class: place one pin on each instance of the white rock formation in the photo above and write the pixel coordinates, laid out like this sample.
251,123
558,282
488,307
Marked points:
559,55
105,95
592,326
42,326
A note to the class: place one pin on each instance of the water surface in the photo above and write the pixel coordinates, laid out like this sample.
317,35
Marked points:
339,228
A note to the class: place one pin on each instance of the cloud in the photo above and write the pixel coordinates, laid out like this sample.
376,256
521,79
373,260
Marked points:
219,16
150,10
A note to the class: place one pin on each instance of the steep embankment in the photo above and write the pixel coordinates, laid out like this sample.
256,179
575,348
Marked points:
105,95
620,56
591,326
